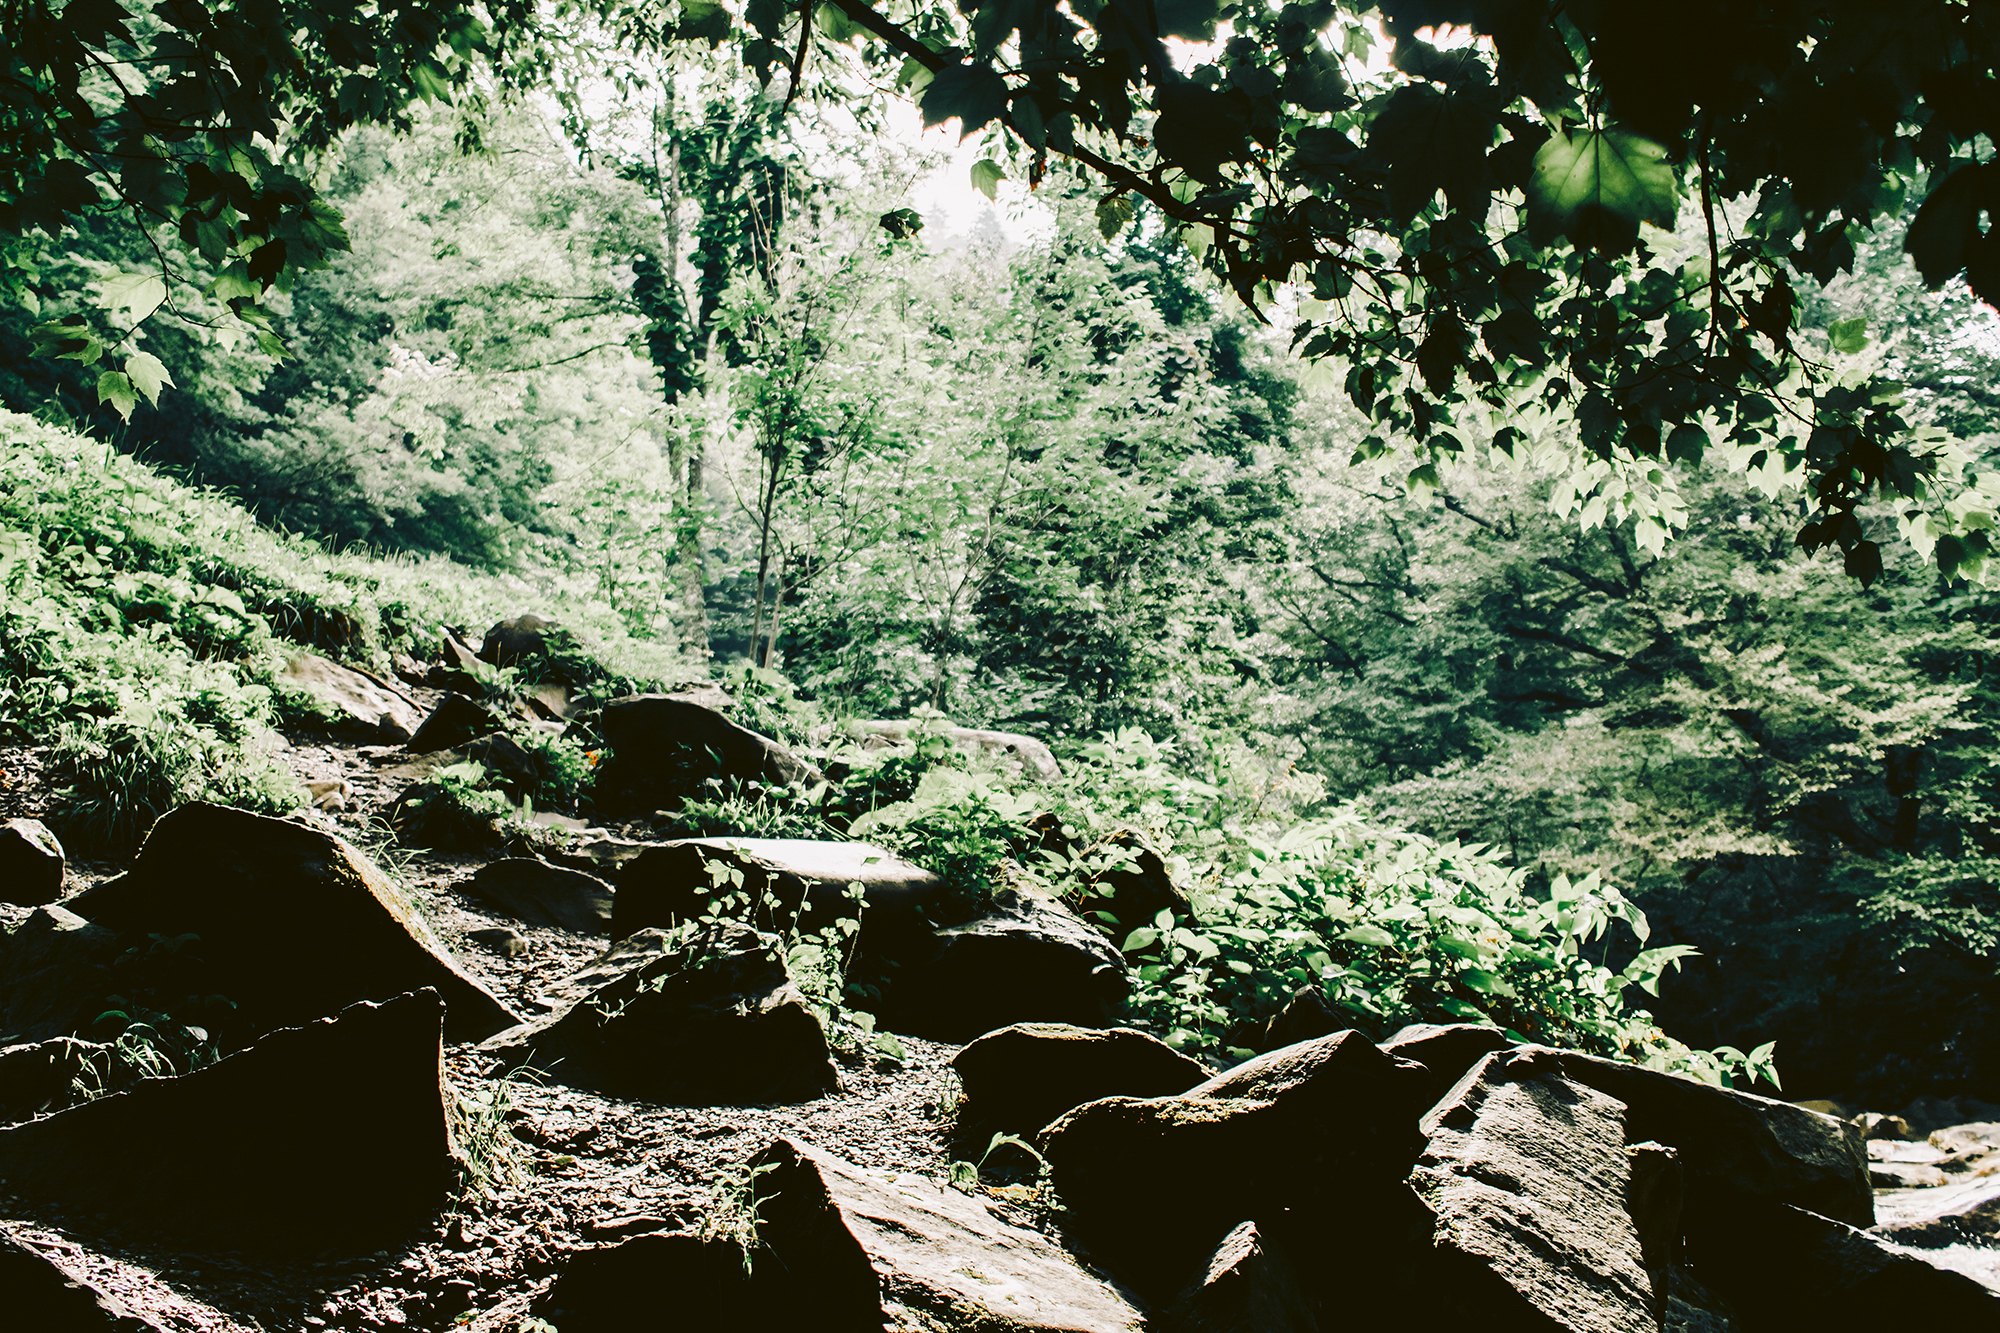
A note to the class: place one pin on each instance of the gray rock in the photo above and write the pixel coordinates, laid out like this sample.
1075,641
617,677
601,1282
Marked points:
1447,1050
1784,1268
531,890
1527,1176
624,955
1305,1016
55,971
1965,1213
1905,1175
294,923
456,721
1306,1139
1028,755
1925,1115
911,1254
665,748
1249,1287
542,649
31,863
1964,1140
335,1133
1021,1078
503,940
1129,881
374,708
1896,1150
714,1019
705,1281
38,1293
1030,960
673,881
1875,1125
1737,1148
38,1077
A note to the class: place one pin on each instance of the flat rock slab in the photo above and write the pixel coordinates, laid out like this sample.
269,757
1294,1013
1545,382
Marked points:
372,707
676,881
39,1294
1527,1176
713,1018
1949,1215
295,923
531,890
333,1134
31,863
1022,1077
1031,756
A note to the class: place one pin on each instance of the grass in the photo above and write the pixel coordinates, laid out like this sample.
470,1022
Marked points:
143,624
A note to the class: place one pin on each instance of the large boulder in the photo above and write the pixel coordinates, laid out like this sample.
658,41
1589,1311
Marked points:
55,972
1446,1050
1029,960
1030,756
711,1019
1126,883
531,890
541,649
1528,1180
1312,1141
31,863
294,923
333,1134
843,1250
456,721
678,881
1737,1148
665,748
373,708
1021,1078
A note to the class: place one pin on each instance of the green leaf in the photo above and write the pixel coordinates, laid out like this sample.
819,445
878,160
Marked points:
986,177
1848,335
974,94
1645,970
139,293
1686,443
707,21
1596,186
1373,936
1114,211
902,223
148,376
1428,142
234,282
1143,938
115,388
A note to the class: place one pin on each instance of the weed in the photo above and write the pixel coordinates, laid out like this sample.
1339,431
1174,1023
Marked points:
489,1158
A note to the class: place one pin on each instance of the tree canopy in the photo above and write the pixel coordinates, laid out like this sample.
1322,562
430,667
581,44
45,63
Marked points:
1506,218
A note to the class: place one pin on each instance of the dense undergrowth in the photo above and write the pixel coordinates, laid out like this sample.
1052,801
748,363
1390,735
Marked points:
145,624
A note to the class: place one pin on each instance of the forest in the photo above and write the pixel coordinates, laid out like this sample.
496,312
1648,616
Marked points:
1539,583
1340,516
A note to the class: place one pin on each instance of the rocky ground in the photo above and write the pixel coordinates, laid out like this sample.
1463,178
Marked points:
568,1171
579,1168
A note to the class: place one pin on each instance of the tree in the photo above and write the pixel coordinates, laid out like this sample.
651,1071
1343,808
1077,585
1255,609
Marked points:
1465,203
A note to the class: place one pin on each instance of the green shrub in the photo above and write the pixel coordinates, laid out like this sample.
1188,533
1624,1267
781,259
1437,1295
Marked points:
113,777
